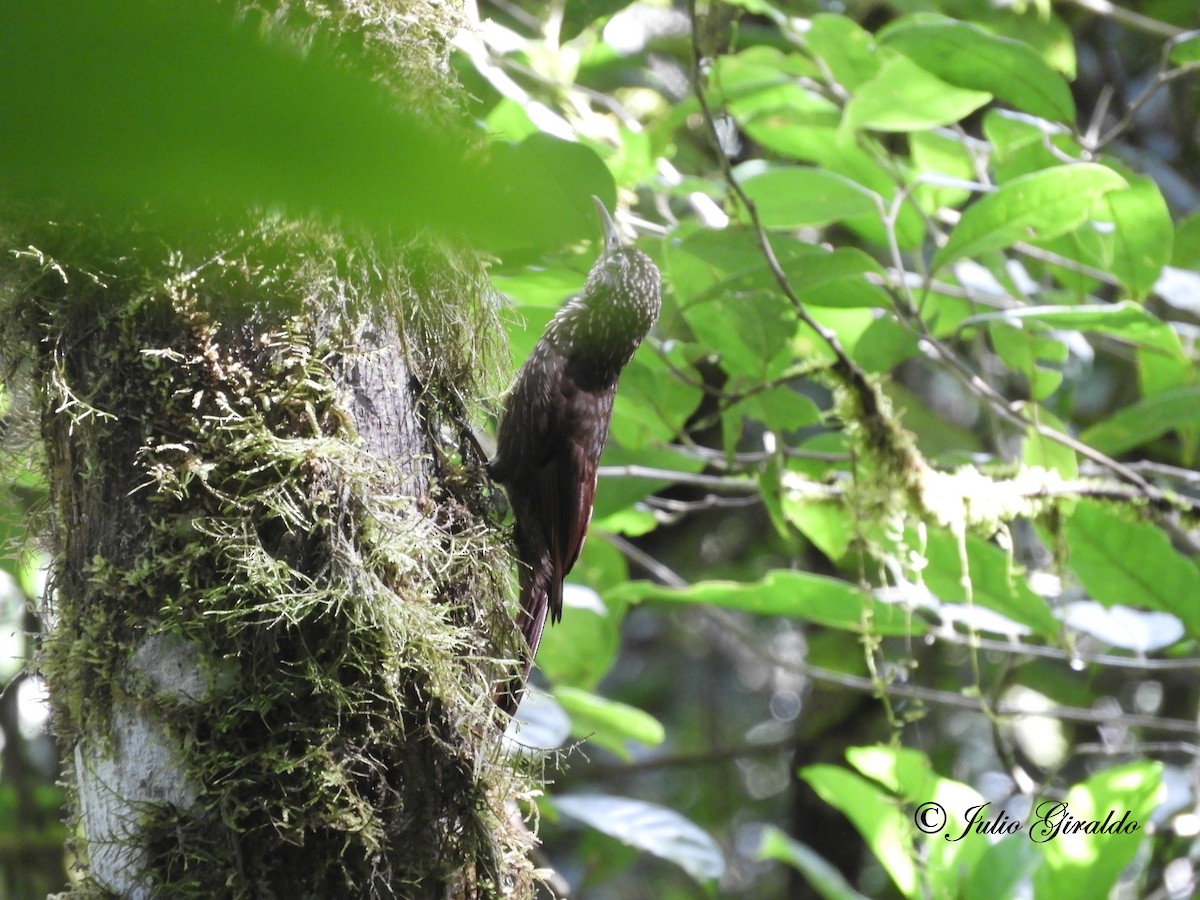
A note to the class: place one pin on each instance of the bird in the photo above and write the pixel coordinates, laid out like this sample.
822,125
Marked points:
553,426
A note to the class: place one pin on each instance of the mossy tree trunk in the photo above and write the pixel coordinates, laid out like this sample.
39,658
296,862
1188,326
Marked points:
277,592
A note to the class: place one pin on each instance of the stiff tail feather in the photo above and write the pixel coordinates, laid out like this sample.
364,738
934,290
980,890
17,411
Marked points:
536,588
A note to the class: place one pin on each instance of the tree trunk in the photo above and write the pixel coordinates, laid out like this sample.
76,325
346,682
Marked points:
277,592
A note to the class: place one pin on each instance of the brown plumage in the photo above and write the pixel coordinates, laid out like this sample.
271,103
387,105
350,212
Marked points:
554,425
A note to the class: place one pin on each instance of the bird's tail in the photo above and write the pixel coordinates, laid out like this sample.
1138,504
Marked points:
537,585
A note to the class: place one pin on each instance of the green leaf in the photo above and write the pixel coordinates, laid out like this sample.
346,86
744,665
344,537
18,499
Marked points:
193,115
904,97
828,525
581,648
1035,356
847,50
998,873
994,583
826,601
781,409
652,402
1021,146
822,876
1079,865
1125,321
751,330
797,196
909,775
1042,205
1145,420
966,56
939,159
1143,234
1126,563
649,827
885,827
607,722
1042,452
1185,48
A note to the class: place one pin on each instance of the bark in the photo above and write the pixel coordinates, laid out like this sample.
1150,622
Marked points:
277,589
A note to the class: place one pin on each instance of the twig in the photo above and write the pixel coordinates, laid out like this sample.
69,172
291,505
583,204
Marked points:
1128,17
676,477
848,371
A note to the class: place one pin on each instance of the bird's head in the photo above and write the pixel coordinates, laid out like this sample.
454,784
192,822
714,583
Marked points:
623,275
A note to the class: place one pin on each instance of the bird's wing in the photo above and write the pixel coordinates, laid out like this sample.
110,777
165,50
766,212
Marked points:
569,481
530,433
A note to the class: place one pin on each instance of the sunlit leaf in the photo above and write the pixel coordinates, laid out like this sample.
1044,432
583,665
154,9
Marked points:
846,49
1041,205
797,196
1142,233
993,581
1083,863
904,97
607,722
1127,563
966,56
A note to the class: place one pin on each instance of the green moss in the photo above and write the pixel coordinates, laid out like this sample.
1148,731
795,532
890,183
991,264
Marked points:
346,628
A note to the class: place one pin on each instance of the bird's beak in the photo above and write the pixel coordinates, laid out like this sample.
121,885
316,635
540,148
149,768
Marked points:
612,237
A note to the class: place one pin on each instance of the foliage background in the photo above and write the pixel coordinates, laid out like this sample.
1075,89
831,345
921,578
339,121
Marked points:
901,499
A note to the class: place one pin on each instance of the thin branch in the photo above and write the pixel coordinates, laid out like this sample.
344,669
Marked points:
662,573
951,698
847,370
674,476
712,501
1128,17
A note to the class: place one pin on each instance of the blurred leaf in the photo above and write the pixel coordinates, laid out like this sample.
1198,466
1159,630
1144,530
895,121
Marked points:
649,827
1185,49
939,159
885,828
822,876
579,14
751,330
797,196
884,344
1042,452
1185,254
905,97
581,648
847,50
1145,420
1079,865
1142,236
652,402
1130,563
994,583
781,409
1002,867
181,110
1041,205
966,56
825,601
1025,351
1023,144
607,722
828,525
